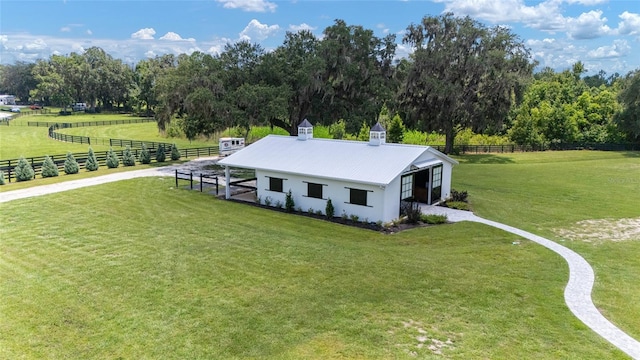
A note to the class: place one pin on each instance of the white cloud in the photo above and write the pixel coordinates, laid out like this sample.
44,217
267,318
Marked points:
65,29
618,49
587,2
144,34
588,25
89,32
630,24
257,31
249,5
149,54
171,36
303,26
35,46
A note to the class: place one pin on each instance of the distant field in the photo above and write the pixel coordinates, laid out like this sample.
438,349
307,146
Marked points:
138,269
548,193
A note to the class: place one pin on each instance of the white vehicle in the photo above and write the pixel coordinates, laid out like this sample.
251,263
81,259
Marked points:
79,106
230,145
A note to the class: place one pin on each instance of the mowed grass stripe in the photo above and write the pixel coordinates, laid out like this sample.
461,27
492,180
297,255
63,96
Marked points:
137,269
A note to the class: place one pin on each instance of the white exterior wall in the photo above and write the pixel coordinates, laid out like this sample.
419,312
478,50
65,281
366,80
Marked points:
447,169
382,204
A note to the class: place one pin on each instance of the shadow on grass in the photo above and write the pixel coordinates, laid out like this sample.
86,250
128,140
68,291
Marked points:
485,159
631,154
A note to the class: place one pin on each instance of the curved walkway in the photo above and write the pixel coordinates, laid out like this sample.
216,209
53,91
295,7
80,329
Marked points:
577,293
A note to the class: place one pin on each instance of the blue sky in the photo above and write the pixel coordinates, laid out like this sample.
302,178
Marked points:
603,34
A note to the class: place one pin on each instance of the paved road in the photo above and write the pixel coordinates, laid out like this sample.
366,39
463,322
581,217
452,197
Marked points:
577,293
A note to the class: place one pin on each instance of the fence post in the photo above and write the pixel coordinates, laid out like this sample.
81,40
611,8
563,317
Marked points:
216,185
191,180
200,182
176,178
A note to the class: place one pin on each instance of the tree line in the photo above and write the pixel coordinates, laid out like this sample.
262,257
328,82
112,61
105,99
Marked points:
461,75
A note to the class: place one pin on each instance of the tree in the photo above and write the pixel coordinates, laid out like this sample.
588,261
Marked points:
363,133
23,170
145,156
160,153
18,79
70,164
175,153
112,159
462,74
92,161
628,120
128,159
395,134
329,210
49,168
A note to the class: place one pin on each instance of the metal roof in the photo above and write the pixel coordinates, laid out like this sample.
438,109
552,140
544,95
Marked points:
355,161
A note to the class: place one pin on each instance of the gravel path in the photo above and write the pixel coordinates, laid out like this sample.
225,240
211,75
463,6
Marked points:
577,293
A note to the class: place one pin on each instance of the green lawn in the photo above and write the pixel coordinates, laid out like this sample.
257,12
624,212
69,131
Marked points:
547,191
138,269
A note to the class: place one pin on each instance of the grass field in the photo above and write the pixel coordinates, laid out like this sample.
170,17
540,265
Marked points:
551,191
155,272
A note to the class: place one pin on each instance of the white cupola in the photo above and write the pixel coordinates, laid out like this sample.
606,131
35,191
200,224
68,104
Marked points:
377,135
305,130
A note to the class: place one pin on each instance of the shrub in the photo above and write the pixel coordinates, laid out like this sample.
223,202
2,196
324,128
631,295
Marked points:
459,195
145,156
70,164
267,201
459,205
160,155
49,168
175,153
354,217
278,204
128,159
1,177
319,212
289,204
413,212
329,210
92,161
112,159
24,171
433,218
344,215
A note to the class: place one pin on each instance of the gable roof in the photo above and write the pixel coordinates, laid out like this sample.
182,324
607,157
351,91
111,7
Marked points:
355,161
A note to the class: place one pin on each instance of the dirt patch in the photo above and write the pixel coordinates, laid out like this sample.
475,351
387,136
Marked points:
418,340
600,230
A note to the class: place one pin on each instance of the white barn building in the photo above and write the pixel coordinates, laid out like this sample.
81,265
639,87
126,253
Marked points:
367,179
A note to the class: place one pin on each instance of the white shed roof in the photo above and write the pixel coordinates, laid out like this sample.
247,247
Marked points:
355,161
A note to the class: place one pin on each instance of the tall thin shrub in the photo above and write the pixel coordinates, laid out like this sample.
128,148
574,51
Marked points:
112,159
160,155
24,171
92,161
128,159
329,210
175,153
49,168
70,164
289,204
145,156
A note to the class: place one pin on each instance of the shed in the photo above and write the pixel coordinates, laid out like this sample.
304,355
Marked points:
368,179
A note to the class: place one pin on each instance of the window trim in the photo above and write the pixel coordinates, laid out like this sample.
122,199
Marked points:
366,198
282,180
321,190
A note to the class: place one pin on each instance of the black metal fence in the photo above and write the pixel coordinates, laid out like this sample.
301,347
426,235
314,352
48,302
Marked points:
65,125
204,179
510,148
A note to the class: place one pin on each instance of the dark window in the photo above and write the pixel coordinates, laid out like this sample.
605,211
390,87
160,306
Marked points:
314,190
358,197
275,184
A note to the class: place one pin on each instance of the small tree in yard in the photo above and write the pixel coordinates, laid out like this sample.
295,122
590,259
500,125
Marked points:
24,171
49,168
145,156
92,161
329,210
1,177
396,130
70,164
112,159
160,155
289,204
175,153
127,157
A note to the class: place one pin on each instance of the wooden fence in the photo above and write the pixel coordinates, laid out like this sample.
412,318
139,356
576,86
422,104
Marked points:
8,166
66,125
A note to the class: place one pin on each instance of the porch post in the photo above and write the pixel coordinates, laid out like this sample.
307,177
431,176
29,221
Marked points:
227,180
430,186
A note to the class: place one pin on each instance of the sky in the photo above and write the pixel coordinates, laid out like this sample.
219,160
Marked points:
603,34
